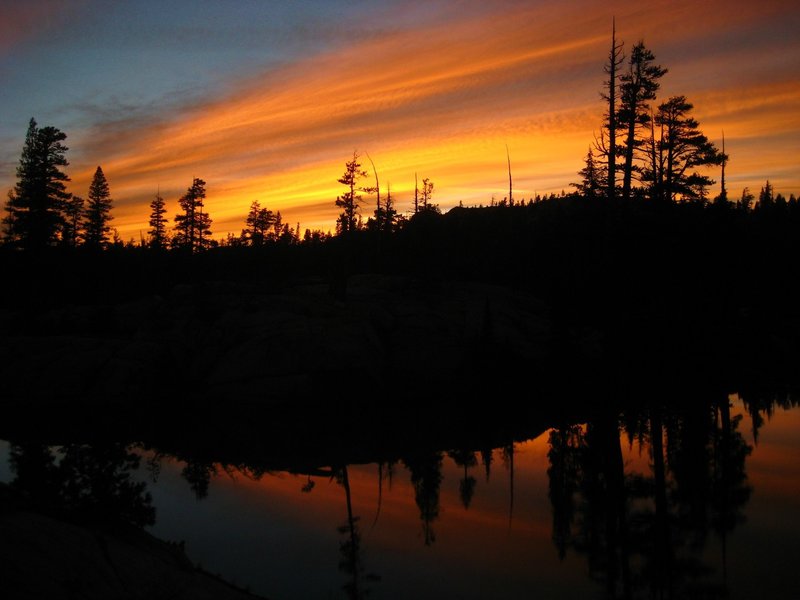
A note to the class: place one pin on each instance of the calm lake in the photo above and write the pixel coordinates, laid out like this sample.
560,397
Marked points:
705,507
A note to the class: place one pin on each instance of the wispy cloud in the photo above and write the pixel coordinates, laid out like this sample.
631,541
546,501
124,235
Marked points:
427,99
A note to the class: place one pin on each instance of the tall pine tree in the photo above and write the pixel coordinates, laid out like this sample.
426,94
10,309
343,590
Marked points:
35,207
258,224
593,178
74,214
607,145
385,216
158,223
193,227
98,212
639,85
675,154
349,201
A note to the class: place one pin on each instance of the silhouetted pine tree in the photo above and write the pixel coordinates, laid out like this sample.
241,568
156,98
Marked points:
607,144
386,215
722,199
680,148
193,227
158,223
638,86
745,203
766,198
73,222
277,227
257,225
349,201
425,203
35,207
592,178
98,212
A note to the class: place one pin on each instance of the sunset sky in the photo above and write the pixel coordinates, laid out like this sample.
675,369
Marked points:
266,100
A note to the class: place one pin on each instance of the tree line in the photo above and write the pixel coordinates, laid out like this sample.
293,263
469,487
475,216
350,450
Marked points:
41,213
644,151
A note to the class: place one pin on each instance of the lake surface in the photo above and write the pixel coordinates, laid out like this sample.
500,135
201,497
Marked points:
706,507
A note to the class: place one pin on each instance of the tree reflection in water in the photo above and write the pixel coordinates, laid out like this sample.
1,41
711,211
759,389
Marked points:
426,477
90,482
351,562
466,487
644,533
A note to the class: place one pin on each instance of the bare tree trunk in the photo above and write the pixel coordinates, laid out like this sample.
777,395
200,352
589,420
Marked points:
723,192
510,450
200,231
613,62
416,194
380,493
191,228
627,174
510,197
654,162
377,184
663,546
353,554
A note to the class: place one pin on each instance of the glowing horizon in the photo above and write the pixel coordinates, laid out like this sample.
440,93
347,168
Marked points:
423,88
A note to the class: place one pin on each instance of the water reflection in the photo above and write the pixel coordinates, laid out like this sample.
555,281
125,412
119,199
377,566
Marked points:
426,477
644,532
466,487
86,482
351,562
647,500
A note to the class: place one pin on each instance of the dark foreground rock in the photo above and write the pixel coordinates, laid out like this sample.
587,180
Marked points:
232,340
44,556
